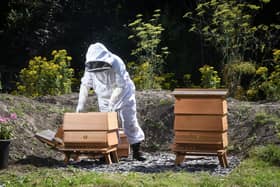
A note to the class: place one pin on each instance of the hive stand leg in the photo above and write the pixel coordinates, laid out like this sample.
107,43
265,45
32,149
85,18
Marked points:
180,157
114,156
108,158
66,157
225,159
222,158
76,156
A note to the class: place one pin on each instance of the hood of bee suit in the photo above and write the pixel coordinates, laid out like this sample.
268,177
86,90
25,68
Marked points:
98,58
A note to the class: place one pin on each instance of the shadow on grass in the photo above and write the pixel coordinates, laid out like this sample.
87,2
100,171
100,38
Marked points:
40,162
54,163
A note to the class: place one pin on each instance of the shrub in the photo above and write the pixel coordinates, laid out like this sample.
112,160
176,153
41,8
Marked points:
187,80
144,78
264,118
228,26
46,77
266,83
238,76
209,77
269,153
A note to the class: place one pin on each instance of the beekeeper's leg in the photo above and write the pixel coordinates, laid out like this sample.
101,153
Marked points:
132,129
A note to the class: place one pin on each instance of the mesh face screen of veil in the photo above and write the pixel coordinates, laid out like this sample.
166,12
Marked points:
97,66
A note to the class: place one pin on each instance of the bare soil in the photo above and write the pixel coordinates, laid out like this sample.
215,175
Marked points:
155,115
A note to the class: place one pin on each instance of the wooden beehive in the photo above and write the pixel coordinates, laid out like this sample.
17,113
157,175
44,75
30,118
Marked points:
92,129
200,124
123,146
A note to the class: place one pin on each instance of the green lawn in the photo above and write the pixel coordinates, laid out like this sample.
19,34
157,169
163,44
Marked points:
251,172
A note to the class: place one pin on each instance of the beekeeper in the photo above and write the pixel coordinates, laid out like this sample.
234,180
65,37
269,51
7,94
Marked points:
106,73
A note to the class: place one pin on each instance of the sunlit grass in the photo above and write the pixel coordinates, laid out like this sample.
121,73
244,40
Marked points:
251,172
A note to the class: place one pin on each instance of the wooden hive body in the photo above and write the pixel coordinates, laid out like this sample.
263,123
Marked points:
92,129
123,146
200,123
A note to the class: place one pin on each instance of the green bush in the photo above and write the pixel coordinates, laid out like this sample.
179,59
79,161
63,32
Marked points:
266,84
238,76
143,76
209,77
187,80
46,77
271,86
269,153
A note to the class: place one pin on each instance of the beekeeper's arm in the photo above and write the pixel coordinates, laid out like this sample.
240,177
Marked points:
120,70
86,84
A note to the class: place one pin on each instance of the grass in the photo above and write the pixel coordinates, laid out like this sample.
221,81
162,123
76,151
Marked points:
251,172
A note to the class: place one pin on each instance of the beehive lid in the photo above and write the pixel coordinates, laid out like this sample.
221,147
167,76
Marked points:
90,121
203,92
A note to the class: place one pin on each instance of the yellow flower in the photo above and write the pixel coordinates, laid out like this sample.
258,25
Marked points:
261,70
54,52
69,58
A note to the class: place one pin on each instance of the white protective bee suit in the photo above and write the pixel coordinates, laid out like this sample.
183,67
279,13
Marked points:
106,73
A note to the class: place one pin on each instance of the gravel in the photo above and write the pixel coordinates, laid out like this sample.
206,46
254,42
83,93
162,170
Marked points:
160,162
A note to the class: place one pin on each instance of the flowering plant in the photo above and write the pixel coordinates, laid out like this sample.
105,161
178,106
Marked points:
7,127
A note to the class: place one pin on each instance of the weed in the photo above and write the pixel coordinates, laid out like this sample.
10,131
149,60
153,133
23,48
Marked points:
262,118
269,153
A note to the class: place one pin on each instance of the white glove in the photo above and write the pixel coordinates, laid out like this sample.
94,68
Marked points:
111,107
114,98
82,98
79,108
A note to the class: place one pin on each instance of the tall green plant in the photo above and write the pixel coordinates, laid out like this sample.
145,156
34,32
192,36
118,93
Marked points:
226,24
46,77
266,84
149,55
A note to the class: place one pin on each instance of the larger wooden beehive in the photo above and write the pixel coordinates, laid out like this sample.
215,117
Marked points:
200,123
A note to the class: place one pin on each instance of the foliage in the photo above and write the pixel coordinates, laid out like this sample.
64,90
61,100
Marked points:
150,57
266,83
264,118
269,153
169,81
209,77
7,126
143,76
187,81
228,25
251,172
238,76
47,77
22,20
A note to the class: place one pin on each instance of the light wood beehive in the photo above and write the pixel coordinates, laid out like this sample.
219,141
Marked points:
92,129
200,123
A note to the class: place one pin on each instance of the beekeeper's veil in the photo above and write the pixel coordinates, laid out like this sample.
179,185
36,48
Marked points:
98,58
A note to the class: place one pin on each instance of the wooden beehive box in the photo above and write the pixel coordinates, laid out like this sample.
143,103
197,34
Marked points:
90,130
123,146
200,123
